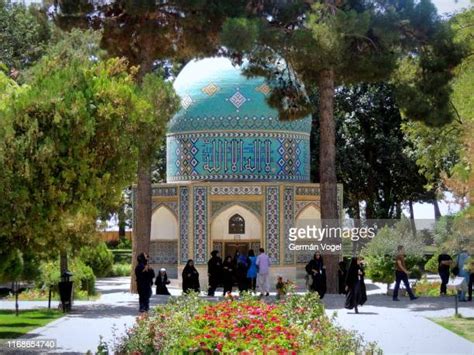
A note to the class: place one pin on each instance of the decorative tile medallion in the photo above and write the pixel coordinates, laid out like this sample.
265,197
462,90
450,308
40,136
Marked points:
186,102
272,223
210,89
200,225
264,89
288,221
184,224
237,99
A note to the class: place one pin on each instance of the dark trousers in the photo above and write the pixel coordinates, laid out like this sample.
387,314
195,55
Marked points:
213,282
144,300
471,281
444,281
399,277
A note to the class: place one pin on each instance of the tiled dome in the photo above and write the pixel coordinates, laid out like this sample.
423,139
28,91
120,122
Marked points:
226,130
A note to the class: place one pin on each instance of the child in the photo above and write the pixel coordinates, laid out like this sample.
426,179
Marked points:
161,282
280,288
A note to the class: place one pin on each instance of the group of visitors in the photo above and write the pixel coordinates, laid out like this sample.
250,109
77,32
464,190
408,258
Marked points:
145,275
243,270
462,266
246,271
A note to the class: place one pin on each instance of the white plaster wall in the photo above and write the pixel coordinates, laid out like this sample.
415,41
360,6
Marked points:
220,224
310,215
164,225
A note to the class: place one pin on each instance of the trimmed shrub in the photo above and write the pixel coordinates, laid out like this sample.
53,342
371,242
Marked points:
99,258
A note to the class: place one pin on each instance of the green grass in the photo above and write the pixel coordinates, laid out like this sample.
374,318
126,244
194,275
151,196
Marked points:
459,325
12,326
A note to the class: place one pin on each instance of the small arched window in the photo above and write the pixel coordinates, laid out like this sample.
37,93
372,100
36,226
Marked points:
236,224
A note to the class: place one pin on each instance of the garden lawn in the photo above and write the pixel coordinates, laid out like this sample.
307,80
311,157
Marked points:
12,326
461,326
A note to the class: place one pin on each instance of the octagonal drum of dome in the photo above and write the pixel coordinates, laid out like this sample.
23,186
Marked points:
226,131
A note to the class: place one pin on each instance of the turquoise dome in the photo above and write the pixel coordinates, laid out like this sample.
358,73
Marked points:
226,130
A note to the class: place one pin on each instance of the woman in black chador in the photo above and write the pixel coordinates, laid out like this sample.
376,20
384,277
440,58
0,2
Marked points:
341,277
228,274
190,277
317,271
355,285
214,270
161,282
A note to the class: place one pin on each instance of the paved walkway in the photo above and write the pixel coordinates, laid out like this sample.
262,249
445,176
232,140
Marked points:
398,327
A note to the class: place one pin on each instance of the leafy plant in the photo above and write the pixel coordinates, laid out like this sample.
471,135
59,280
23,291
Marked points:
99,258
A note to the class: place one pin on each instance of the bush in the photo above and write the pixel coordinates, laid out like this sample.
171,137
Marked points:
432,264
99,258
188,324
83,276
380,252
120,270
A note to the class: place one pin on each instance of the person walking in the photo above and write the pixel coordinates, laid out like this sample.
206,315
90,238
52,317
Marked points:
190,278
144,275
214,271
316,269
252,270
228,274
355,285
444,263
470,269
342,276
401,274
263,272
161,282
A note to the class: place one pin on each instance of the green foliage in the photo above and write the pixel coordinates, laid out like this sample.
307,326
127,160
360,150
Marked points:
432,264
381,251
69,142
83,275
190,324
98,257
24,35
120,270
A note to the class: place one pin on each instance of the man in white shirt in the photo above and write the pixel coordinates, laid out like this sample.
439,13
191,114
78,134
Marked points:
263,275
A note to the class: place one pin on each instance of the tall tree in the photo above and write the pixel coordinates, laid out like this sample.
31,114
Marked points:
67,142
318,45
149,32
24,35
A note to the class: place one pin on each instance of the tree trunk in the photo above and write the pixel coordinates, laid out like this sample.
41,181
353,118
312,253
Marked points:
327,167
63,263
143,200
141,234
437,212
412,218
121,223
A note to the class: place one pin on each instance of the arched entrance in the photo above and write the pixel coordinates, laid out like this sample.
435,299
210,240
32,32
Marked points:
236,228
164,240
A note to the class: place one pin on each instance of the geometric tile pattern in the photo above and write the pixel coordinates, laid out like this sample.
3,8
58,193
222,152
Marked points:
184,223
238,156
306,190
164,252
272,222
164,191
264,89
210,89
236,190
288,220
200,225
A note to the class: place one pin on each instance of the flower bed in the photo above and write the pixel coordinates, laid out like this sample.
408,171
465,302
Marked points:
192,325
